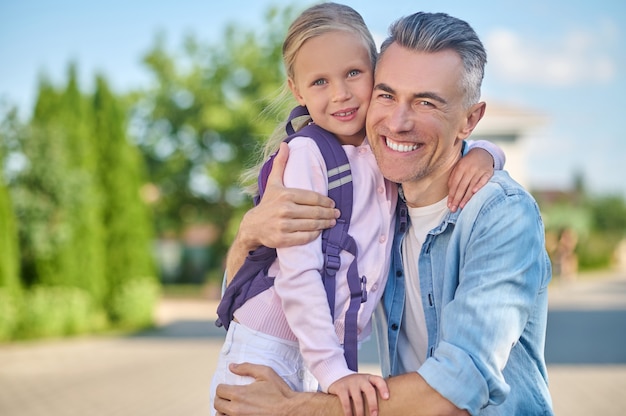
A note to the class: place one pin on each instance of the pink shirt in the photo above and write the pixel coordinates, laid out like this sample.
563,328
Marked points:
296,308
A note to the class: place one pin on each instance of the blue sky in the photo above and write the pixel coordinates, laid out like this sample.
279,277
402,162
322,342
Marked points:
563,58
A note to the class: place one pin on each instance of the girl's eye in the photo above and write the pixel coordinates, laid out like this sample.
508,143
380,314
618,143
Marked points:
354,73
319,82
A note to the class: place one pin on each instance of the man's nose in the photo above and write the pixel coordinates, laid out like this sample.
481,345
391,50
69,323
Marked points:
400,120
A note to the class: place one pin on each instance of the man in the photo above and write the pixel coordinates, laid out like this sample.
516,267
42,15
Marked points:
465,305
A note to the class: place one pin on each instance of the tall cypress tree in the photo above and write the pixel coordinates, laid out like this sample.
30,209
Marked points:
87,245
9,260
127,222
44,193
60,199
10,287
9,243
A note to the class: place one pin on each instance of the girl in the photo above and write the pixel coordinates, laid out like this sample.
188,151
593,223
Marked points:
329,56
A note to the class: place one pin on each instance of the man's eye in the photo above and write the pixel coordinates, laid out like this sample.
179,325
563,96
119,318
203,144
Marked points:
319,82
354,73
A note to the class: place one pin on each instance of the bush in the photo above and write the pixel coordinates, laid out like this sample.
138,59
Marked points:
50,311
9,314
596,251
132,305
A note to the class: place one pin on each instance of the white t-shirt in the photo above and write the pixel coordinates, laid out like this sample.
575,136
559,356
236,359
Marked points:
413,337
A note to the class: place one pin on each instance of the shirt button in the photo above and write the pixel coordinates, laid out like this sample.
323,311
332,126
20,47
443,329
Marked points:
374,287
394,327
381,189
382,239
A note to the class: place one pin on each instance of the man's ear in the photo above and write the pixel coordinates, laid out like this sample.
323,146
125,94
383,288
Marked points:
474,115
294,90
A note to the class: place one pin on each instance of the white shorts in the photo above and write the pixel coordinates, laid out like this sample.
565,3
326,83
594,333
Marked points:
243,344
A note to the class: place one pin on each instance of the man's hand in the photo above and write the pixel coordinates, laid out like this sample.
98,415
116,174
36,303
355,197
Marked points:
259,398
470,174
268,395
285,217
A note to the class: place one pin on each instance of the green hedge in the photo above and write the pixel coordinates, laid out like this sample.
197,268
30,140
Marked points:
9,314
132,304
55,311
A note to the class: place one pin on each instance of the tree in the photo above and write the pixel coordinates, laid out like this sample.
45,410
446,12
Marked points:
201,124
609,215
10,287
9,261
42,194
9,245
87,227
126,219
59,195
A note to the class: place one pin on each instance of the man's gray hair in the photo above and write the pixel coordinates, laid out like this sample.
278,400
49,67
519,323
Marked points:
433,32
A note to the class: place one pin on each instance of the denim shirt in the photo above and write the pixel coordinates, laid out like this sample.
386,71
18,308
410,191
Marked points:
483,277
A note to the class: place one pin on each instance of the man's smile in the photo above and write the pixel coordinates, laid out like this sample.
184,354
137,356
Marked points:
399,147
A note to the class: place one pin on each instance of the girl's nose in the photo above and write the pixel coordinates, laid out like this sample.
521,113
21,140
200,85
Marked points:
341,92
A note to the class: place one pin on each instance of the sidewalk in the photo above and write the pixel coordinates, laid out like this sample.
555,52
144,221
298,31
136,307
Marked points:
596,335
161,373
167,371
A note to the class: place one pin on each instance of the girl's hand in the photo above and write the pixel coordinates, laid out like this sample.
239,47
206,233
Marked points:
351,389
470,174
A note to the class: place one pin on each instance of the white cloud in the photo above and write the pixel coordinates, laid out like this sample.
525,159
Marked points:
576,57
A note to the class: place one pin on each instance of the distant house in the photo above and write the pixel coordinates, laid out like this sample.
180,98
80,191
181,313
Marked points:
511,128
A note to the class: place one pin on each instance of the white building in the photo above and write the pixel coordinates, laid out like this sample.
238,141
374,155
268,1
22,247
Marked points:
511,128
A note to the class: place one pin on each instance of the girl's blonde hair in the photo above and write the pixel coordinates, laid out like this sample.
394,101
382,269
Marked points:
314,21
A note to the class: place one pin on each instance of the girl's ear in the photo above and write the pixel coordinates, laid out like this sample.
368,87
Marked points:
294,90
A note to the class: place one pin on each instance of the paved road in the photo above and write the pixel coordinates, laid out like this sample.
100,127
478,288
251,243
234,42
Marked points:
166,372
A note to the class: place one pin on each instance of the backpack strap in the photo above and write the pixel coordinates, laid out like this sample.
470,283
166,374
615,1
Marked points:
250,280
337,238
297,111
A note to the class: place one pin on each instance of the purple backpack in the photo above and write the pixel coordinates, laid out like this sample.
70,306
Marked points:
253,277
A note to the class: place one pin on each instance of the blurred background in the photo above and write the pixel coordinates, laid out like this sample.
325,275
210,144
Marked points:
124,127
